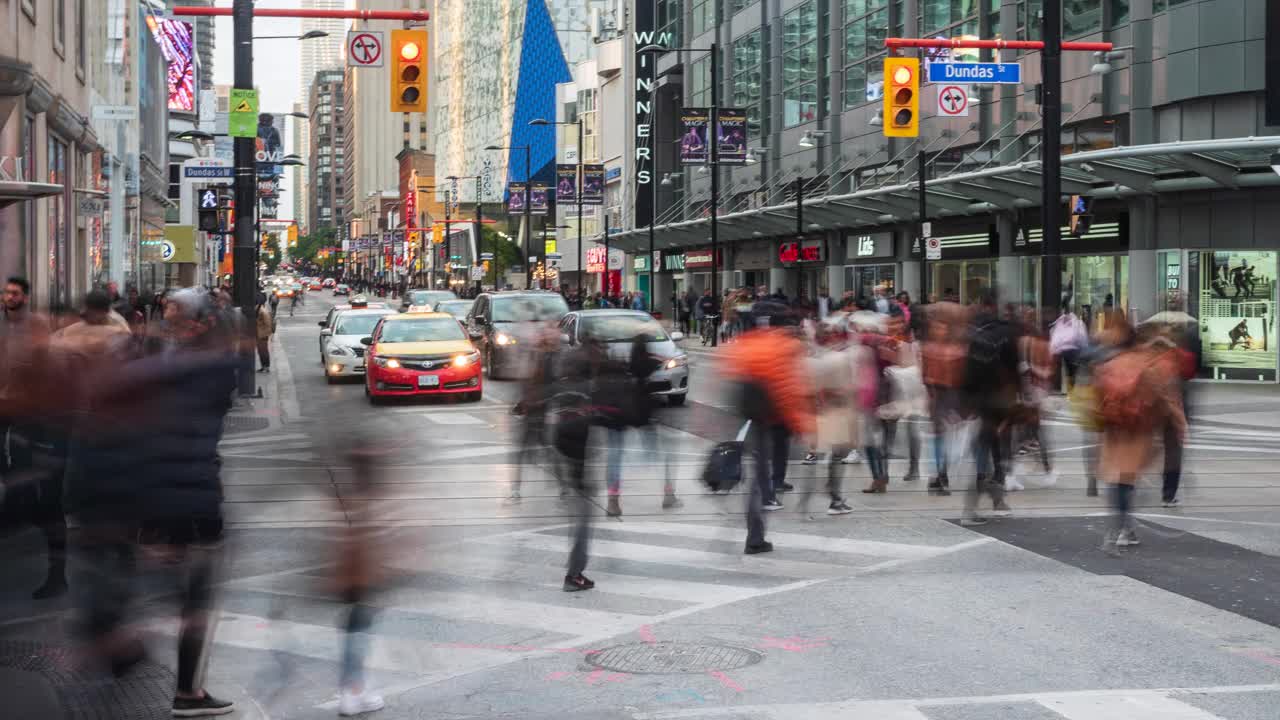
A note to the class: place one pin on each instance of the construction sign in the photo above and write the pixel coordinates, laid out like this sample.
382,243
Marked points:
242,121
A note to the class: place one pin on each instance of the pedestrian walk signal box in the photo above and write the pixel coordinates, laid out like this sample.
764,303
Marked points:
901,97
408,71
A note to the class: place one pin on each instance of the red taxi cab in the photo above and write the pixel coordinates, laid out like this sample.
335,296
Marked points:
421,354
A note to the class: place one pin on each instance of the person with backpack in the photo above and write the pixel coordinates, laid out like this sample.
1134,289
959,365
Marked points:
1137,393
991,391
1068,338
632,395
1035,365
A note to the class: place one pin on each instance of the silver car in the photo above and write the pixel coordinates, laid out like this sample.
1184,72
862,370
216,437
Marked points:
343,353
618,330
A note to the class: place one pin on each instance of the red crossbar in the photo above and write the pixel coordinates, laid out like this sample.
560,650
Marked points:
416,15
894,43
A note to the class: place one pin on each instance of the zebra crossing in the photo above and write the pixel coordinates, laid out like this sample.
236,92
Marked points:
281,445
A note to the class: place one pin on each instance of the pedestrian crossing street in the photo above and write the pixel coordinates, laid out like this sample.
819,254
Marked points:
497,599
1159,704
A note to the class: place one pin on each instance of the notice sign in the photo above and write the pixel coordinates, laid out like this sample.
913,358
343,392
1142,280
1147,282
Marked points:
731,133
693,144
242,120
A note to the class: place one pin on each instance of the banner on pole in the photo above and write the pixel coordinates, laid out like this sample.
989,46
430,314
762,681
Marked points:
593,184
566,184
731,133
539,198
515,198
693,145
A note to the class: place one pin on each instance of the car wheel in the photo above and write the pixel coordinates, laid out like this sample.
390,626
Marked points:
489,369
676,400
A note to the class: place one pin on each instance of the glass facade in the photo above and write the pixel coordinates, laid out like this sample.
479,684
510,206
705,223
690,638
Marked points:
800,65
866,26
862,280
748,82
703,16
961,280
1081,17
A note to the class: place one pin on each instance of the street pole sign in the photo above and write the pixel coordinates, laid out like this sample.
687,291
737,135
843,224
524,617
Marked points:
242,120
977,73
953,101
364,48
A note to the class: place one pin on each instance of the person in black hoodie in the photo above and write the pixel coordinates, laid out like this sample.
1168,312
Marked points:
991,388
144,464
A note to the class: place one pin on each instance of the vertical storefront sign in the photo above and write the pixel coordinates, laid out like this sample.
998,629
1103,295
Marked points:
645,23
1237,305
731,133
566,184
593,184
539,198
693,143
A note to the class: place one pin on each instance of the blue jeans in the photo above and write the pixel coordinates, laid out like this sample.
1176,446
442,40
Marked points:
618,446
356,646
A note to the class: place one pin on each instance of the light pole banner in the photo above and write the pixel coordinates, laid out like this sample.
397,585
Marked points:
593,184
693,145
515,198
538,198
731,133
566,184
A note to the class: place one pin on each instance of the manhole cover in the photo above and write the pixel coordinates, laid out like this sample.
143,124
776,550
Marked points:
240,423
144,693
669,658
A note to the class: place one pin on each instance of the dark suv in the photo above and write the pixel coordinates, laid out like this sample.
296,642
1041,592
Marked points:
492,325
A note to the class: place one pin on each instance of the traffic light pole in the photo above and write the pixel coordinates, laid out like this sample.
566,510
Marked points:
479,244
924,217
245,248
1051,163
714,136
528,224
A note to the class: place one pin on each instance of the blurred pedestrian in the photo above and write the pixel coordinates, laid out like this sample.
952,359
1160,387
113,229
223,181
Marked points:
1036,368
991,391
265,329
840,372
634,399
942,360
1068,338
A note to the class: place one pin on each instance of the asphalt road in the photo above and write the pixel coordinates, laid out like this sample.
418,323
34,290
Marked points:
890,613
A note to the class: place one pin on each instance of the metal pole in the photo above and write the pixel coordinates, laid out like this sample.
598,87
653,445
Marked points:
924,209
604,279
581,268
799,207
480,245
1051,162
714,136
246,203
448,239
653,214
528,225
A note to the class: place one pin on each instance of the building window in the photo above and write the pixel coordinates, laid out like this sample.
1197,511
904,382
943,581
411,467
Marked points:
175,181
748,60
590,130
866,26
700,82
800,65
80,37
668,20
952,18
60,27
1029,19
1081,17
704,16
57,207
737,6
1119,12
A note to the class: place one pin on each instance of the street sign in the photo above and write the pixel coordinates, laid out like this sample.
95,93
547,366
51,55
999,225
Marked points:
207,172
115,112
167,250
486,256
932,248
242,120
208,199
975,72
477,272
953,101
364,48
89,207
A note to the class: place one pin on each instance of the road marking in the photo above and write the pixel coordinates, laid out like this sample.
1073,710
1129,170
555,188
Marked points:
453,418
1139,706
1192,518
265,439
787,540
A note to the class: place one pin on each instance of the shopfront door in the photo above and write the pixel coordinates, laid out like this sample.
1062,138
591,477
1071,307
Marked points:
963,280
862,280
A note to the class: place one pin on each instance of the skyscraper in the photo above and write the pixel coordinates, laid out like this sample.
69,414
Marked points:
315,55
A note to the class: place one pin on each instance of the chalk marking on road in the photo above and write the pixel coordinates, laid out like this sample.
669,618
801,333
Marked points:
886,709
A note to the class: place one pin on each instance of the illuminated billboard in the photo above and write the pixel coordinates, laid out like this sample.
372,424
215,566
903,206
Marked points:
177,43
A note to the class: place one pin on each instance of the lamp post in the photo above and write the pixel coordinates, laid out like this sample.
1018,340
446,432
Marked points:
528,230
713,136
578,190
477,178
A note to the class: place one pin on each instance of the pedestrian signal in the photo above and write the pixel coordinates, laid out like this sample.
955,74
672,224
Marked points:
901,97
408,71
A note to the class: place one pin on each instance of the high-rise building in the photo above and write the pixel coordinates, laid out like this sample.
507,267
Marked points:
373,135
314,55
326,154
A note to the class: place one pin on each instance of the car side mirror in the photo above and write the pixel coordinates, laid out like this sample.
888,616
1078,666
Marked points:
326,332
677,336
323,324
366,341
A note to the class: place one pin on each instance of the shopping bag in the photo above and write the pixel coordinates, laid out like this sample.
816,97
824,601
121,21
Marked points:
724,467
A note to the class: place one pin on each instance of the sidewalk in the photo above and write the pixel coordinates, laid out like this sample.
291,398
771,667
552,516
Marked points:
278,404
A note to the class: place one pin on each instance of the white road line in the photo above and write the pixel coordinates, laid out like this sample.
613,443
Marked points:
303,457
1139,706
453,418
265,439
1232,448
1192,518
267,449
785,540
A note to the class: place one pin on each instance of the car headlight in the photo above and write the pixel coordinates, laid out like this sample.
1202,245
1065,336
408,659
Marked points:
464,360
504,339
677,361
339,350
391,363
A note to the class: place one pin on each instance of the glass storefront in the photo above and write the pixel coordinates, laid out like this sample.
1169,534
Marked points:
1090,284
862,280
1232,293
961,280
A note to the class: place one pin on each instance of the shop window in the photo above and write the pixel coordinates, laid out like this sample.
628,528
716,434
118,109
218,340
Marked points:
748,58
1081,17
1234,301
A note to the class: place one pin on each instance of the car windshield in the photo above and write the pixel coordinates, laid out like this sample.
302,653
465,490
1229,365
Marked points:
529,307
424,330
456,308
621,328
430,297
357,324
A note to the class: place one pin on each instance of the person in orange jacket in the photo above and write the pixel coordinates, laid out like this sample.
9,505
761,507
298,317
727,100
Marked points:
777,397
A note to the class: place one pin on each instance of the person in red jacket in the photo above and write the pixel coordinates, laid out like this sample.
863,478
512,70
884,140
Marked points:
777,397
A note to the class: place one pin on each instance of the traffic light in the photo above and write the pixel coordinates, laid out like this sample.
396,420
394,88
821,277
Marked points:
408,71
266,241
293,236
901,97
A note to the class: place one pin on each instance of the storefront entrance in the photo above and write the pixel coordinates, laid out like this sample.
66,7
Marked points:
1090,284
961,280
862,280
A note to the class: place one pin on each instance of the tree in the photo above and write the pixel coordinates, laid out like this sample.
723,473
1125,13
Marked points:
507,252
309,245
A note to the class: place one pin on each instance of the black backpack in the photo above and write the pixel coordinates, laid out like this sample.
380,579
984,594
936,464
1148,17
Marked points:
991,364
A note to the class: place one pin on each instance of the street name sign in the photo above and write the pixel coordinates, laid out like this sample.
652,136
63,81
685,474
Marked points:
976,73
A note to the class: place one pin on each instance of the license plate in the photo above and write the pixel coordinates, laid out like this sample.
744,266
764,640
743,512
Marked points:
360,366
428,381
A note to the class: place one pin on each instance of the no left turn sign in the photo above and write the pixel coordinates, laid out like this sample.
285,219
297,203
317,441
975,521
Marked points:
953,101
364,48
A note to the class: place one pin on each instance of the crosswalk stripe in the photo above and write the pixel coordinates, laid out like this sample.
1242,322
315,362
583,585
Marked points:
453,418
788,540
1138,706
678,556
265,439
266,450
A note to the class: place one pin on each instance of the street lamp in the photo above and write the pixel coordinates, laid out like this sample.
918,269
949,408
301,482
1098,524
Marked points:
807,141
541,122
528,229
713,161
309,35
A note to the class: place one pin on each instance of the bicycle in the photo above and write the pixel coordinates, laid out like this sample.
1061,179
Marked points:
709,325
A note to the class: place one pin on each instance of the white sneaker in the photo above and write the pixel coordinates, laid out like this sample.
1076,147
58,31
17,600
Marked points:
1050,479
1011,483
356,703
1127,538
853,458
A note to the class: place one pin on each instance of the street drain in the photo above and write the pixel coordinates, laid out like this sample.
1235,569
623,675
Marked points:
670,658
145,692
241,423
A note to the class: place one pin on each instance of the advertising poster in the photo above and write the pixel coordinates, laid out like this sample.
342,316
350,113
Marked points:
566,184
731,133
176,44
1237,303
693,144
515,198
592,184
269,149
539,198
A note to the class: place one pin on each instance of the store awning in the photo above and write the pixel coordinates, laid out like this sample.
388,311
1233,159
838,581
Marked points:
1115,172
12,191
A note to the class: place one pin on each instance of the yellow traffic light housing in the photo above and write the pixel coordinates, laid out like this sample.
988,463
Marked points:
408,71
901,97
